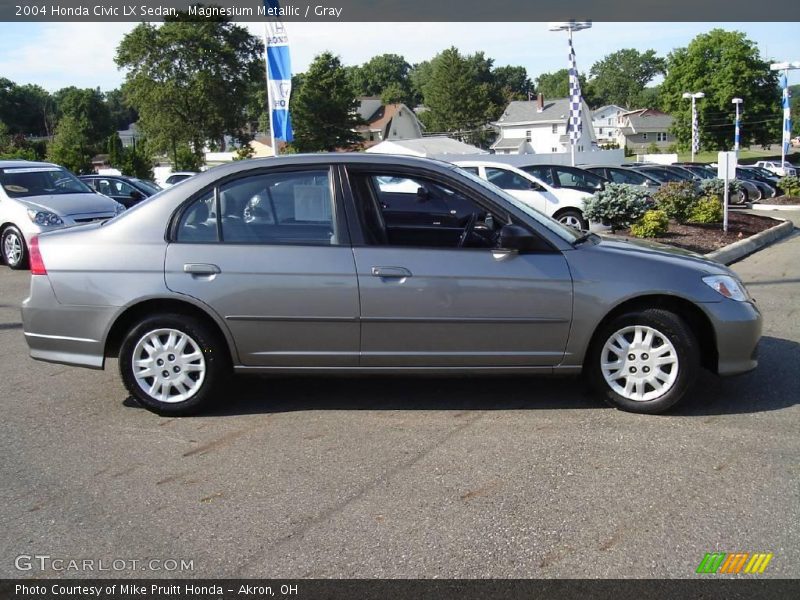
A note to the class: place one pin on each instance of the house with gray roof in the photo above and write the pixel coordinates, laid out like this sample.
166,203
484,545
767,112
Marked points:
540,127
639,129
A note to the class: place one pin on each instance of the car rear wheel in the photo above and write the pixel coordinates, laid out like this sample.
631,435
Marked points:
15,252
173,364
574,218
644,361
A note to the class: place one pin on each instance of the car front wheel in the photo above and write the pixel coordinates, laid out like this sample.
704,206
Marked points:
644,361
15,252
173,364
574,218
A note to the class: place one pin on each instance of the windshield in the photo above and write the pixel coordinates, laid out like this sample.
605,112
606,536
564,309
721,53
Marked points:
565,233
22,182
145,185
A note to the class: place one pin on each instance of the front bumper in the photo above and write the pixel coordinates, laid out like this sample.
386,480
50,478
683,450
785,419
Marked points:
738,330
58,333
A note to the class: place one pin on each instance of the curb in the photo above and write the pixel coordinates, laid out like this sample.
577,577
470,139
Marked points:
738,250
768,207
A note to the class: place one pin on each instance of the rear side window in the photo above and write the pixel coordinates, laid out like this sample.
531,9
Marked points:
269,208
198,222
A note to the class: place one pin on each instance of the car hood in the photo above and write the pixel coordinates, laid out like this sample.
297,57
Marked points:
65,205
661,252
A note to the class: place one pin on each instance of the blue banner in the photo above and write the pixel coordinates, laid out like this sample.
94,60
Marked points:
279,76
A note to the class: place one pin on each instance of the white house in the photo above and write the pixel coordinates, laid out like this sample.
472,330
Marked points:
605,122
540,127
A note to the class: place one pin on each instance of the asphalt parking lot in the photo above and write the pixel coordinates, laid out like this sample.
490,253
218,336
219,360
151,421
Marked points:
386,477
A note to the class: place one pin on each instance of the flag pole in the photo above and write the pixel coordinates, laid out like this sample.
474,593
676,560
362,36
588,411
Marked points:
269,93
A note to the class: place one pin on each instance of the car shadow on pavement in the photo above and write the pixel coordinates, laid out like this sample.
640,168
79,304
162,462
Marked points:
773,386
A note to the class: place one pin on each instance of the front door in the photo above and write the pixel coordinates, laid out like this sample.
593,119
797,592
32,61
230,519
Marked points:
268,252
456,300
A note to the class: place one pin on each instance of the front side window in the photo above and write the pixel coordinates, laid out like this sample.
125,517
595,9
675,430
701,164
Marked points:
507,180
629,177
568,178
21,182
421,212
541,173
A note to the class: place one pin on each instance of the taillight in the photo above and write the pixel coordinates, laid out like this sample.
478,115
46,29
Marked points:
37,264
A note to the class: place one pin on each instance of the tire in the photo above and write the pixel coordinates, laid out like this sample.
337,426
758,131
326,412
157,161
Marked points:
194,372
635,391
574,218
14,248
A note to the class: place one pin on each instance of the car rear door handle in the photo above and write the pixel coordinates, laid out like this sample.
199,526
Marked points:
398,272
201,269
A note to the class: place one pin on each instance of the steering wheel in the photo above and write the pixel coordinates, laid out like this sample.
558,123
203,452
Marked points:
473,218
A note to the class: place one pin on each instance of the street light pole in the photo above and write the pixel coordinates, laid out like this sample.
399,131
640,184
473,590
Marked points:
695,134
574,127
786,139
736,139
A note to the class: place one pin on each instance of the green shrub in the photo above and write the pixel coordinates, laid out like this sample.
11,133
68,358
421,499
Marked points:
618,205
716,187
676,198
790,185
707,210
653,224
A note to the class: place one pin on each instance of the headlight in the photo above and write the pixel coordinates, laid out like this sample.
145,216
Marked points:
119,209
44,218
727,286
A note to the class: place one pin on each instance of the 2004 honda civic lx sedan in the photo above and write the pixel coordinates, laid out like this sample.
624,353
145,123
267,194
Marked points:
365,263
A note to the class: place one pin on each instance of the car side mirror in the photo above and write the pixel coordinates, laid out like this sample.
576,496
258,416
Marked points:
422,194
516,237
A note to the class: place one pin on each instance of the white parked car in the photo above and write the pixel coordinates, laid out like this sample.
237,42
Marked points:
177,177
775,167
37,197
563,204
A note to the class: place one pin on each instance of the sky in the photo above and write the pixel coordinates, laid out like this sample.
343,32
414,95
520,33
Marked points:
56,55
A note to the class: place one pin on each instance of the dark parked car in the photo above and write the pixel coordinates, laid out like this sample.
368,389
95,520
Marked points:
128,191
312,264
767,188
562,176
628,176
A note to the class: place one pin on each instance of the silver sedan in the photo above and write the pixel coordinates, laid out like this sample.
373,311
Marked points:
364,263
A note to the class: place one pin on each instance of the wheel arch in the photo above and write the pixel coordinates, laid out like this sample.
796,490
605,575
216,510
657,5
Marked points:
697,321
134,313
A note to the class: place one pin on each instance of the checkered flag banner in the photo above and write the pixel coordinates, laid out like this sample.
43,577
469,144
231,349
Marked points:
695,131
574,126
787,114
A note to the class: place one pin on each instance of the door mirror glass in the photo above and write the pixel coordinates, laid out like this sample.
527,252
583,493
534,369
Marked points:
516,237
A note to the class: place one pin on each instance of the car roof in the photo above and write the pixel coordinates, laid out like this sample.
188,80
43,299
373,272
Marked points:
10,164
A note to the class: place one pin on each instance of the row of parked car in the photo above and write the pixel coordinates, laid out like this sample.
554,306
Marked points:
37,197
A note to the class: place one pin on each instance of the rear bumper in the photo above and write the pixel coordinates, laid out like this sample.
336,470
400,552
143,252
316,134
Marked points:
738,329
58,333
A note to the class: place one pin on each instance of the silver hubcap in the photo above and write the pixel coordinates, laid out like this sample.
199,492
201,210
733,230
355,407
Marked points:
571,220
12,248
168,365
639,363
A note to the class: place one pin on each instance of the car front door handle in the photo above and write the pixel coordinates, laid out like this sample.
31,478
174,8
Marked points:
395,272
201,269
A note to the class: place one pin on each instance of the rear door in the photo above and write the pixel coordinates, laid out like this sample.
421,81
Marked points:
270,253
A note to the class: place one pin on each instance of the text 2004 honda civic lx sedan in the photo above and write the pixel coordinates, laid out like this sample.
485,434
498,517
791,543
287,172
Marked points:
374,264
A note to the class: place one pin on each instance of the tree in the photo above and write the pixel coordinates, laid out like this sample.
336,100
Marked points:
512,83
621,77
418,76
456,102
324,108
88,108
70,147
189,80
382,73
26,109
120,113
723,65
